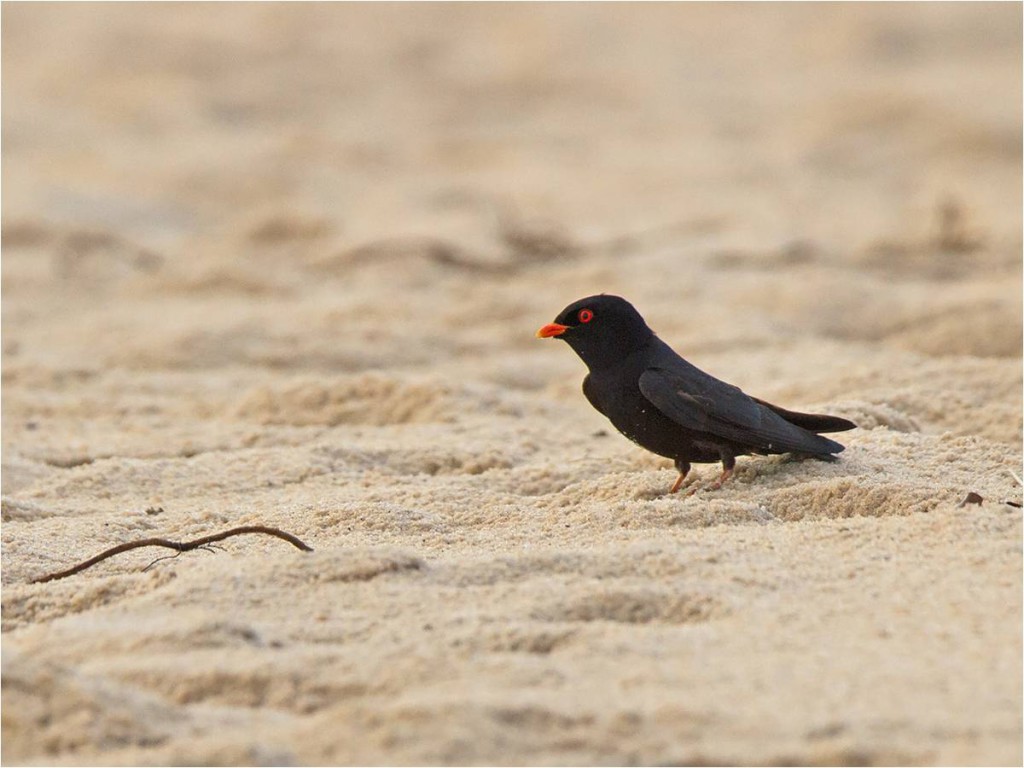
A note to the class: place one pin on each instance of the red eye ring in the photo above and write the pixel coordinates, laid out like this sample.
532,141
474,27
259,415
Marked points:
585,315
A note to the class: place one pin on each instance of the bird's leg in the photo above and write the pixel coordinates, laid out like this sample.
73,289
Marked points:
728,465
726,474
684,468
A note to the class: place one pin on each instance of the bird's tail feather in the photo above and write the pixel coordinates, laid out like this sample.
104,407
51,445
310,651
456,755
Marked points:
812,422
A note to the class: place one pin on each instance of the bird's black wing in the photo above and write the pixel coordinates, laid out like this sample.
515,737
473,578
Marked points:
701,403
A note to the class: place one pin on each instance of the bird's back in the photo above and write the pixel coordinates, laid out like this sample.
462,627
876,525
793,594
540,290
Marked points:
711,411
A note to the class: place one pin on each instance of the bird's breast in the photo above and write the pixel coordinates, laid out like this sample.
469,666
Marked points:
634,415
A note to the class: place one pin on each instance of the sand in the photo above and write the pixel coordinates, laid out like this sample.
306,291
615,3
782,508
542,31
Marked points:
282,265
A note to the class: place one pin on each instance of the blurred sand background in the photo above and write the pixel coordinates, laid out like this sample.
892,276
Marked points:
283,264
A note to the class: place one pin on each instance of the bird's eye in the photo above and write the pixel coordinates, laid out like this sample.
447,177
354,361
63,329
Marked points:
586,316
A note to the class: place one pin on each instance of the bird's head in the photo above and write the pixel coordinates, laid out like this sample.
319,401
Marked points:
602,330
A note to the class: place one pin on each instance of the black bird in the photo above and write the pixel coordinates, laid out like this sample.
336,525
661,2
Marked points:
670,407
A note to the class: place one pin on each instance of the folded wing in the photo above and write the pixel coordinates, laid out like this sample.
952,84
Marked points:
701,403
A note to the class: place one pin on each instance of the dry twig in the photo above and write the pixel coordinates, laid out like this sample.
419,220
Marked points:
178,546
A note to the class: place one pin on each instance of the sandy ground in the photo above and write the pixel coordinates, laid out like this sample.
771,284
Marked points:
283,265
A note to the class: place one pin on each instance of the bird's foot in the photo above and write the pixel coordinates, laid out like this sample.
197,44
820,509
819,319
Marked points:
715,485
726,474
680,484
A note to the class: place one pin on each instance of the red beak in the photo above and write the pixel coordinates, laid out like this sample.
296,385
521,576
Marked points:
552,329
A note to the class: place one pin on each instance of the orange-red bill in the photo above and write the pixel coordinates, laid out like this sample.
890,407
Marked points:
551,329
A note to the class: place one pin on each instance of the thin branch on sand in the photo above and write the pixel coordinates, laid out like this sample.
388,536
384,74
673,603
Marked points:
179,546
